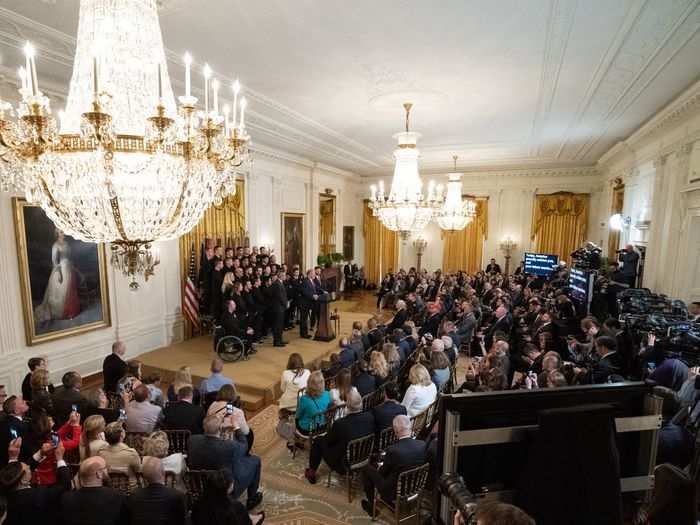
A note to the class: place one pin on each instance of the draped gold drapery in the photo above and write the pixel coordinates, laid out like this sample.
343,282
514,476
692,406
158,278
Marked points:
463,249
560,223
326,227
224,225
381,247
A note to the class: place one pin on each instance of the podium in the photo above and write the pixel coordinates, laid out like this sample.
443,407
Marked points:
324,329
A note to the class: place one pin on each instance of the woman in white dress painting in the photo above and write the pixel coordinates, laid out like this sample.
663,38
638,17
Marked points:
61,299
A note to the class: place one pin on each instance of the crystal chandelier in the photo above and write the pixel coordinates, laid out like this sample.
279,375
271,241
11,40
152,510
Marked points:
406,209
124,164
455,213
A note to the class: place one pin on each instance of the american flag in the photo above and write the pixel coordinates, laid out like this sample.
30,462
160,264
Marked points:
191,298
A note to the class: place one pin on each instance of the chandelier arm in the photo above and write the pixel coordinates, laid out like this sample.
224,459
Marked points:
52,201
116,213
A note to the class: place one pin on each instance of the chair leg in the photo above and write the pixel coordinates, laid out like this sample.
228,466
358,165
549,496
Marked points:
348,475
328,483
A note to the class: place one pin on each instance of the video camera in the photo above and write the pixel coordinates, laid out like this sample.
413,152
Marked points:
452,486
587,257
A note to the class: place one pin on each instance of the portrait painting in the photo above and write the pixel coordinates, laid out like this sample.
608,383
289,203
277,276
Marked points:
348,243
293,240
63,280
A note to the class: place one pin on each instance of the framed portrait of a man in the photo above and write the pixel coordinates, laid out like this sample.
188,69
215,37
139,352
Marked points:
63,280
293,240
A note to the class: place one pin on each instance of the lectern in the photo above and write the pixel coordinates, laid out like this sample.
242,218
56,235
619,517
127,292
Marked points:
324,329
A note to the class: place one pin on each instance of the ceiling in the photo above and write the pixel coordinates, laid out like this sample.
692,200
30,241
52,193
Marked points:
500,83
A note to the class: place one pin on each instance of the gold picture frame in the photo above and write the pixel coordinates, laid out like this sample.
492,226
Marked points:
63,281
293,240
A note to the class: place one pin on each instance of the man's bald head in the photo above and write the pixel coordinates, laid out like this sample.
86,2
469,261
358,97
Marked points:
153,470
402,426
93,471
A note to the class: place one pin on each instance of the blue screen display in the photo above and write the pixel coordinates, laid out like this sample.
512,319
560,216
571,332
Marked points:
540,263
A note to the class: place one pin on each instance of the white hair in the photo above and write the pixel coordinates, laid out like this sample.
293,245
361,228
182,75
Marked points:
402,426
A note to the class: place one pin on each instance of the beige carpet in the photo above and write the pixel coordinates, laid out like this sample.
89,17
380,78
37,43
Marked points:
289,498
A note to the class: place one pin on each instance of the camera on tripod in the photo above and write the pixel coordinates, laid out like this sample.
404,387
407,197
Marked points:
587,257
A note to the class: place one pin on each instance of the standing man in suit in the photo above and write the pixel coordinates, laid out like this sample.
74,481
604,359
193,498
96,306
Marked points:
114,367
385,413
629,259
403,455
210,452
278,307
183,415
502,324
331,447
308,302
14,408
156,504
93,502
493,267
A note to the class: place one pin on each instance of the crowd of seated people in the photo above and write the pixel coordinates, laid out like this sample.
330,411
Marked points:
123,454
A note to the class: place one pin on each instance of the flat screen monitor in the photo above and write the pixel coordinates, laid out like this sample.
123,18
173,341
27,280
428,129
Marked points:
581,284
540,263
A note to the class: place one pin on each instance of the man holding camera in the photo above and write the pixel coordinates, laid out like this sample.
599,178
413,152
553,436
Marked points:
629,259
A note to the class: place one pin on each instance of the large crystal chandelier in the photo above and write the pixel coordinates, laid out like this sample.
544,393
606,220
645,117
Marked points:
406,209
124,164
455,213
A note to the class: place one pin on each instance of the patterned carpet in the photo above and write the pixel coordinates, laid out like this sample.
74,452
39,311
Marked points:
289,498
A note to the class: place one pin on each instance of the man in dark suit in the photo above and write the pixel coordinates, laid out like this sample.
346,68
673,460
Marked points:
502,324
308,302
346,356
374,333
26,504
208,451
630,260
331,447
493,267
278,307
466,323
432,323
33,364
156,504
385,413
12,426
183,415
216,296
356,344
402,345
235,325
68,397
365,382
93,503
403,455
400,317
609,364
291,285
114,367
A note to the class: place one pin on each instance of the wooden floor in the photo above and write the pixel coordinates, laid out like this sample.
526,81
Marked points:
257,379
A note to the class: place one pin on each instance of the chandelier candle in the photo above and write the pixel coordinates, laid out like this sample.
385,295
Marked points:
244,104
160,85
215,90
188,75
236,89
207,74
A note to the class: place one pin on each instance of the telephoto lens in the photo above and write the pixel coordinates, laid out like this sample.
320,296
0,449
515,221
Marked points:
452,485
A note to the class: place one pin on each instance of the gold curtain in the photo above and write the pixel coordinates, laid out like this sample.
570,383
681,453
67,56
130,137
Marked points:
463,249
560,223
326,228
224,225
381,247
618,202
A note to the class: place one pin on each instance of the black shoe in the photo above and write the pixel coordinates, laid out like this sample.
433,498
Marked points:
310,475
254,501
367,507
306,336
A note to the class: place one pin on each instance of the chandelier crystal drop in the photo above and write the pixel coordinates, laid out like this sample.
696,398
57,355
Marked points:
455,213
406,209
124,164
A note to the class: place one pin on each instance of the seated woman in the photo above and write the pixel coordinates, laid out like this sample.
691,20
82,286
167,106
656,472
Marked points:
183,377
393,359
98,405
294,378
68,435
313,404
235,420
93,437
343,387
378,368
440,366
421,393
157,445
119,456
132,379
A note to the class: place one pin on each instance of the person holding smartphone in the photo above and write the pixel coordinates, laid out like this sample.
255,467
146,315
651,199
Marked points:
67,436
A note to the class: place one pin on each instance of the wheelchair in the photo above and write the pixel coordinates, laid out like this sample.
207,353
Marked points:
229,347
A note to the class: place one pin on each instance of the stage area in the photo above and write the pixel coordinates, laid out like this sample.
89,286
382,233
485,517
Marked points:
257,379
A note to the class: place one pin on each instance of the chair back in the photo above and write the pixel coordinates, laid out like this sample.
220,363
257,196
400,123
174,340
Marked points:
358,452
135,440
179,441
369,401
387,437
411,483
418,422
196,483
120,481
334,413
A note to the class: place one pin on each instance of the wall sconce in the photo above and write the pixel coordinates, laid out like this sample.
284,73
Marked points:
420,244
508,245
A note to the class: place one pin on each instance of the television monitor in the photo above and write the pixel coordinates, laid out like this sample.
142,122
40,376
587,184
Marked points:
540,263
581,285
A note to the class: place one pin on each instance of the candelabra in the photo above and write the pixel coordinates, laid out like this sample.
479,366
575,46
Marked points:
420,244
508,246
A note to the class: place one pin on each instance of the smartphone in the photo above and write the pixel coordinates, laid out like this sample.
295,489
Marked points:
229,409
54,439
74,408
651,365
13,433
122,414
